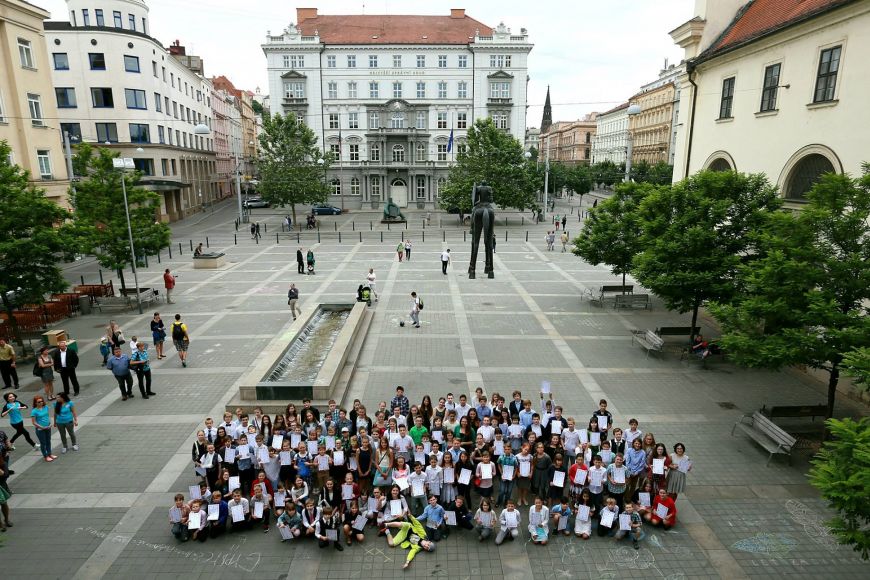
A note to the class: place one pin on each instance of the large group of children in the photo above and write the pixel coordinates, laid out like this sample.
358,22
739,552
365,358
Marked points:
417,473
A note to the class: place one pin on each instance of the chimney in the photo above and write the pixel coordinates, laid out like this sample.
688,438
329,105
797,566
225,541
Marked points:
176,49
305,14
457,13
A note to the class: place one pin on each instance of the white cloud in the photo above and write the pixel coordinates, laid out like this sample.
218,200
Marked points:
593,54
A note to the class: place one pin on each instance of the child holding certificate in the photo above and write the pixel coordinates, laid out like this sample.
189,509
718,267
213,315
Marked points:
680,466
664,511
539,522
584,510
484,520
354,524
659,466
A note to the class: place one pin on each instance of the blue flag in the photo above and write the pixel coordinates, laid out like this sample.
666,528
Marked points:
450,142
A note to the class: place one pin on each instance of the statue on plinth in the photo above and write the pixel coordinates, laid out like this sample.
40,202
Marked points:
392,212
482,222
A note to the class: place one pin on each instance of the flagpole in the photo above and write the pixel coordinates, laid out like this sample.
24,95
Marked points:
340,168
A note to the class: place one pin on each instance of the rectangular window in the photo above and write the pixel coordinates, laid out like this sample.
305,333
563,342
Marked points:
336,151
421,61
119,23
97,60
353,120
2,118
421,90
499,90
351,90
166,105
421,119
461,120
161,137
144,25
351,61
397,90
333,121
397,120
421,187
175,109
330,61
86,18
107,132
442,152
158,103
826,81
61,61
442,61
286,60
374,121
373,90
139,133
163,68
35,105
144,166
353,152
183,138
154,68
135,99
99,15
174,166
462,61
66,98
131,63
442,120
442,89
727,98
500,60
332,90
376,186
354,186
297,61
375,152
169,131
373,61
462,90
500,120
397,61
131,18
25,53
295,90
44,158
164,166
771,86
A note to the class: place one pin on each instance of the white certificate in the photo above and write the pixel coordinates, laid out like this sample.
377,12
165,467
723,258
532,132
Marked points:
684,465
624,522
285,533
486,519
285,457
420,457
258,509
332,535
322,462
338,457
194,520
486,470
277,440
449,475
643,499
563,523
658,466
235,483
662,511
450,518
200,471
373,505
584,436
359,523
214,512
330,443
427,447
352,463
525,468
559,478
263,455
346,491
395,507
229,455
580,476
238,513
194,492
175,515
402,482
279,498
607,518
295,440
417,488
244,451
583,513
602,422
555,427
465,476
507,472
595,438
619,475
545,387
535,517
438,436
595,478
498,447
312,447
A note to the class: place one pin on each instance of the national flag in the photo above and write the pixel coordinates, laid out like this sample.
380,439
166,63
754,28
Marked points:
450,142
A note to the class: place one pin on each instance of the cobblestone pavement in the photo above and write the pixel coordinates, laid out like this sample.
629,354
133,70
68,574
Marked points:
102,512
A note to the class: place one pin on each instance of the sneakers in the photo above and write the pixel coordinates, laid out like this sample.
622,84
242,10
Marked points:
636,545
184,363
36,447
63,450
75,447
339,547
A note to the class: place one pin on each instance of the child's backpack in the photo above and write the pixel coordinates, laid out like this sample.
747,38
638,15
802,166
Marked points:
420,302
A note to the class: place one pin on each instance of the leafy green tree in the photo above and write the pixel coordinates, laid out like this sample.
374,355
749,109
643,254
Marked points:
578,180
257,107
607,173
841,473
292,168
695,234
98,211
32,243
805,289
612,232
496,157
857,364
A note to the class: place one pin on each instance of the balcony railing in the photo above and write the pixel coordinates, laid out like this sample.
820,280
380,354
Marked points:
499,101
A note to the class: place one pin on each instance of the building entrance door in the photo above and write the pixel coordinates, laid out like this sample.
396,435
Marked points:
399,192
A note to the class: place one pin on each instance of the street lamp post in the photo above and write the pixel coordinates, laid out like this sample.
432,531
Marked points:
546,177
123,165
632,111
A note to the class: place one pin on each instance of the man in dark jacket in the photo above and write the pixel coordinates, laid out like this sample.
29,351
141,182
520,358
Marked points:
65,363
300,262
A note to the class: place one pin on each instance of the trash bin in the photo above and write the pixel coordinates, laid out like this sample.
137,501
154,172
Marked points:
85,304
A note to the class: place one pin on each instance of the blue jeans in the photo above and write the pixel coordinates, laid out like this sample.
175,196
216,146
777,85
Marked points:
507,488
44,436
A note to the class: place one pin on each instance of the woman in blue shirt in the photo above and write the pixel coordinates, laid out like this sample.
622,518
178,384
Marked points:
635,460
65,418
13,408
41,420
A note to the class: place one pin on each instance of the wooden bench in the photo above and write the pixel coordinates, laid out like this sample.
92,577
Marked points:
603,292
147,295
795,411
648,340
632,301
95,291
113,303
677,331
767,434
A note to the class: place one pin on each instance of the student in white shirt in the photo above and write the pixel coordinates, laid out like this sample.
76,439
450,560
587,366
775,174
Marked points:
462,408
539,522
238,500
403,444
487,430
508,523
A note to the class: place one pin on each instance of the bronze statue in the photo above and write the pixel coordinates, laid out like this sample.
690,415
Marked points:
392,211
482,221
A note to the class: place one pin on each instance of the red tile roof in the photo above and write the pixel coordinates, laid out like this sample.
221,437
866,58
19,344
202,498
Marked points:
392,29
761,17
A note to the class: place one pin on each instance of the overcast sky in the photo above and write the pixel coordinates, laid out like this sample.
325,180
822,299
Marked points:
594,54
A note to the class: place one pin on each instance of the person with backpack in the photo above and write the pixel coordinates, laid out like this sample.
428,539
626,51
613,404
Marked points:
416,307
180,338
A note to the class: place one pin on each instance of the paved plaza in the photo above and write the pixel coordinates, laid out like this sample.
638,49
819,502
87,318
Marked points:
102,512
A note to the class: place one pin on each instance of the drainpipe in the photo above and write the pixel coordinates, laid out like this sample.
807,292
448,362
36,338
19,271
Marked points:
690,70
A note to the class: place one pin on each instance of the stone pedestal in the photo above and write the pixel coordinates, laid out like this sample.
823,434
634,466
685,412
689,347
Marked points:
209,261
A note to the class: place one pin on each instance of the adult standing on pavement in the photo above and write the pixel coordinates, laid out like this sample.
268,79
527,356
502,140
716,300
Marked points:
114,334
46,364
180,338
7,365
445,261
564,240
158,334
415,310
65,363
400,250
139,362
564,221
41,419
119,364
309,258
373,282
65,421
169,284
401,401
253,230
292,297
12,408
300,261
408,250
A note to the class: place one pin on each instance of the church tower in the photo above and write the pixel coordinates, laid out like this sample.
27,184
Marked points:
547,119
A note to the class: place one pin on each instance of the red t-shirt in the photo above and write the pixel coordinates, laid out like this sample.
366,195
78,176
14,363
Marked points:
168,280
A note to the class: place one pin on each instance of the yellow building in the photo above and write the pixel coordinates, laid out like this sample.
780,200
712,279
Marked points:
651,129
28,111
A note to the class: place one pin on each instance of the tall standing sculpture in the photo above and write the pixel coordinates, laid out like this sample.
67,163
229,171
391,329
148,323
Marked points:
482,221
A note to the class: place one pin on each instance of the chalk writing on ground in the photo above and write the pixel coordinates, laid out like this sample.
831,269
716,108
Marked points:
765,543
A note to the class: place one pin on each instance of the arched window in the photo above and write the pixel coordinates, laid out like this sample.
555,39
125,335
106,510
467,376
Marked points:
335,184
374,152
398,154
421,152
805,174
720,164
354,186
397,120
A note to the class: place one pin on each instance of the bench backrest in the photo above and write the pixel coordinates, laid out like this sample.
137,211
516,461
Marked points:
677,330
795,411
772,430
652,338
618,288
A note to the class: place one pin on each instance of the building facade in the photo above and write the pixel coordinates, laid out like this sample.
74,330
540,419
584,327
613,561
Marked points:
781,89
651,130
384,94
28,115
570,142
249,128
611,136
117,86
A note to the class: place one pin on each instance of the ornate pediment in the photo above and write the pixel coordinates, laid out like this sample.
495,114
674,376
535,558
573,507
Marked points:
397,105
292,74
500,75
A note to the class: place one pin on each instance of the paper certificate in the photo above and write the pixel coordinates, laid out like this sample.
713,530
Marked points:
277,440
584,436
244,451
194,492
279,498
332,535
555,427
395,507
338,457
427,447
200,471
507,472
346,491
545,387
229,455
624,522
595,438
330,443
643,499
562,523
662,511
214,512
449,475
559,478
618,475
486,519
312,447
580,476
498,447
352,463
417,489
420,457
285,533
359,523
285,458
684,465
175,515
465,476
525,468
595,478
602,422
486,471
450,518
322,462
238,513
438,436
535,518
607,518
258,509
263,455
235,482
658,466
295,440
373,505
583,513
194,520
402,482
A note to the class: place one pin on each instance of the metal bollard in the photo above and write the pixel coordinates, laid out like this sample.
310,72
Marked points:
265,228
443,235
277,241
527,235
335,226
318,236
353,226
83,280
505,235
423,233
382,237
158,256
170,251
339,237
180,252
191,245
523,222
360,237
424,223
388,226
463,235
235,239
101,277
297,237
257,239
370,226
406,224
206,242
146,260
402,236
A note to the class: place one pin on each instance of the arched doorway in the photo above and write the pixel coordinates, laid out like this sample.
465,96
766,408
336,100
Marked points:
805,174
720,161
399,192
720,165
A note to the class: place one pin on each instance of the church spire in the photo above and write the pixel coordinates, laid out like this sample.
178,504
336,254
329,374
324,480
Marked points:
547,119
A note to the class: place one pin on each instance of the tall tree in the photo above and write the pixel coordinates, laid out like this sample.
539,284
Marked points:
612,233
292,166
493,156
98,211
33,240
606,173
804,293
696,233
578,180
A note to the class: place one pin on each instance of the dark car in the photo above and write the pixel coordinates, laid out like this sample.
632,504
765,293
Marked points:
256,202
323,209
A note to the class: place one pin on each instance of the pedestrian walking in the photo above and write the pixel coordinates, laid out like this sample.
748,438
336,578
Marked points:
556,221
564,221
309,258
41,420
7,365
400,250
300,261
564,240
180,338
12,408
198,250
45,364
65,363
445,260
158,334
169,284
373,283
253,230
139,362
408,250
292,297
119,365
415,310
65,421
257,230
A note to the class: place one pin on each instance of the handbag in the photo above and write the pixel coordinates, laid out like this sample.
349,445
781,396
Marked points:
37,370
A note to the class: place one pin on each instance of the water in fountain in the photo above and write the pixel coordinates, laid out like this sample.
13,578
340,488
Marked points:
305,356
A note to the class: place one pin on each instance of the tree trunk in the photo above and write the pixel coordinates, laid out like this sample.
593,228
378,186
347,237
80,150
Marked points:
623,283
293,211
121,277
833,380
16,333
694,320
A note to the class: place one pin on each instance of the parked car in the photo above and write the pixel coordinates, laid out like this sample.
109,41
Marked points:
256,202
323,209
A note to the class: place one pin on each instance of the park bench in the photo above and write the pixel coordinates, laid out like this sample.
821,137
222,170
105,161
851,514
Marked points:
604,291
648,340
795,411
147,295
686,331
95,291
113,303
632,301
767,434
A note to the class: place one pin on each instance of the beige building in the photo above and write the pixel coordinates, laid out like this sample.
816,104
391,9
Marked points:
569,142
28,115
651,128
